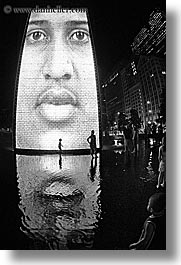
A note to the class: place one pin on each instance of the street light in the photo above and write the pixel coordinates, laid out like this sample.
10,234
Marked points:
149,109
117,118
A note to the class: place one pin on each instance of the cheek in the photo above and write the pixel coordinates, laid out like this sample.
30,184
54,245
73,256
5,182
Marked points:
83,62
30,81
31,64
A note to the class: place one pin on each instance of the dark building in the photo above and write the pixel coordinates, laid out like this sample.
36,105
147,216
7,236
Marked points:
136,86
131,89
113,94
122,91
152,76
140,82
151,40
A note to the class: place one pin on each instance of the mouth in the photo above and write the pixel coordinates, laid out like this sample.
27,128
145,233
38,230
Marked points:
62,195
56,105
59,188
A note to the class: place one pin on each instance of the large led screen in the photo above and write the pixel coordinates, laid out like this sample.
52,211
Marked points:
57,89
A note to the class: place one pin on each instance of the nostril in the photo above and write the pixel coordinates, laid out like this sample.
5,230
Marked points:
47,76
66,76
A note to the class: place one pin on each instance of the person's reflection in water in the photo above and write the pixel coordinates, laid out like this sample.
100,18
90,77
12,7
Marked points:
57,98
93,168
60,161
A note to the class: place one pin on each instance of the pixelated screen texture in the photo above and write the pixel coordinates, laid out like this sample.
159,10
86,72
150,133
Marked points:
57,89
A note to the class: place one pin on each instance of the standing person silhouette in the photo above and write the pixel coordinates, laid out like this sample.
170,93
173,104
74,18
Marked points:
92,141
128,138
162,164
57,64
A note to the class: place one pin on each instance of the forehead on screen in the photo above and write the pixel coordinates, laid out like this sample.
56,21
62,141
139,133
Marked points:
54,18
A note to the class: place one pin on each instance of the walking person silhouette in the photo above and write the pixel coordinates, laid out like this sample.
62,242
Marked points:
60,145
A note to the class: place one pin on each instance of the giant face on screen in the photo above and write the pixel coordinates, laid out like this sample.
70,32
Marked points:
57,90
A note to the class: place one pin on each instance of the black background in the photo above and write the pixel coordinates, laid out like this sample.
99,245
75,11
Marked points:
114,25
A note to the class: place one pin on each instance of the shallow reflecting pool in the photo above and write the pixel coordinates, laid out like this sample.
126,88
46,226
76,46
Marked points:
59,199
73,201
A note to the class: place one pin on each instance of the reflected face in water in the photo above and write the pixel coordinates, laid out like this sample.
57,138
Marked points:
59,206
57,94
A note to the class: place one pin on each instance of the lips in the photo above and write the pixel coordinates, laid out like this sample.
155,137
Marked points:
59,188
56,104
61,195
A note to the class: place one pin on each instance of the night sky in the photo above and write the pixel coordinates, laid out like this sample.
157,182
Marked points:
114,26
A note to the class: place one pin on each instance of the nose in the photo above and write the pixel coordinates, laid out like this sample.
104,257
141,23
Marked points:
57,64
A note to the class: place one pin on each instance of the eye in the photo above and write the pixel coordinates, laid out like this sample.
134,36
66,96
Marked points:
80,36
37,36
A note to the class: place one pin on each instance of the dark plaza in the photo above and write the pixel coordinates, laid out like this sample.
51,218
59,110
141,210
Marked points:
71,197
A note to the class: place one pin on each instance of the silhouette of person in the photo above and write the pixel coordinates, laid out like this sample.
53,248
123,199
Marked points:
60,145
153,234
60,152
162,164
92,142
128,138
57,64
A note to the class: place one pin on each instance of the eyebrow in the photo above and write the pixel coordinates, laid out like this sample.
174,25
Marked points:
76,22
38,22
68,23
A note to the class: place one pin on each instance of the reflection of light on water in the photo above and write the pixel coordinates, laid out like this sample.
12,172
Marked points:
60,206
151,141
148,173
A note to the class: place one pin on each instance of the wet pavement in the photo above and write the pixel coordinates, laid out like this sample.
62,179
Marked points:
128,183
75,202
